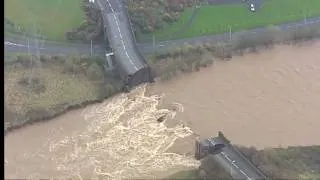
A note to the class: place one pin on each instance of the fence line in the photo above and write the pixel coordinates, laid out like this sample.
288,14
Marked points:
165,46
146,48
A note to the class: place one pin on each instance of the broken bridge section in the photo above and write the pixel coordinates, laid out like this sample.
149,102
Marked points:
131,65
219,150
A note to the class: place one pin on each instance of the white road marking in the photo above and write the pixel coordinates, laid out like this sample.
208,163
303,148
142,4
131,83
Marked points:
227,157
121,39
13,44
19,45
233,162
211,141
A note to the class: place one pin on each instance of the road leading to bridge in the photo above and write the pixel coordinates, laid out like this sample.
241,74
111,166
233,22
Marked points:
49,47
131,65
230,159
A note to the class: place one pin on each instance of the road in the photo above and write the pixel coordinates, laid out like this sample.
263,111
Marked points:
51,48
234,162
229,158
120,35
167,45
12,45
131,65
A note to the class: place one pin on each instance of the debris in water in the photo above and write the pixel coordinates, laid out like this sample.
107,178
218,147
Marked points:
161,119
123,140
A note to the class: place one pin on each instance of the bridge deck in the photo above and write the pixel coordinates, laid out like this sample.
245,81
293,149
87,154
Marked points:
233,162
120,36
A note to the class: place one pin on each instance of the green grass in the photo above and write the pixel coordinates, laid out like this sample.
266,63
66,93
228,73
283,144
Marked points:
216,19
52,17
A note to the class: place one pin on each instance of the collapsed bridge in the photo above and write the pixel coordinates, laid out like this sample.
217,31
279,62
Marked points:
129,62
219,150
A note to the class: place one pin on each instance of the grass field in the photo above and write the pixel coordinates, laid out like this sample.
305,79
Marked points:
52,17
216,19
290,163
278,163
60,90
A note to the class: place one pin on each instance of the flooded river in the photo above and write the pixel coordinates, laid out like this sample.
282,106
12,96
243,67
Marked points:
268,99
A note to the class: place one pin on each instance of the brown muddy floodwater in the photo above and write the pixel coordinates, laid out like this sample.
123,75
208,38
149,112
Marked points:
268,99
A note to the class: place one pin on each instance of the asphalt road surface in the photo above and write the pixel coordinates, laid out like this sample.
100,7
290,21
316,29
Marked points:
120,36
18,46
235,163
51,48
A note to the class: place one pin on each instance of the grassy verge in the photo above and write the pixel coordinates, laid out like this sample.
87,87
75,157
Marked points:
218,19
287,163
37,89
277,163
52,18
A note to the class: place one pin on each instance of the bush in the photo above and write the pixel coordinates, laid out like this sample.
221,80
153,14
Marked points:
72,65
91,28
147,16
58,59
222,51
35,84
25,60
38,114
206,59
248,152
167,75
109,89
213,169
94,71
45,58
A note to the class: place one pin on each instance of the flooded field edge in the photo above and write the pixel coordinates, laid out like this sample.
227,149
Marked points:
84,104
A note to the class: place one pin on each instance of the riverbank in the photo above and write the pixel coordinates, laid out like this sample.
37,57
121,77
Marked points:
186,59
265,100
269,93
41,88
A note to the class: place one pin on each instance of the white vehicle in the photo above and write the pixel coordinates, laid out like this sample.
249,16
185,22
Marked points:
252,8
